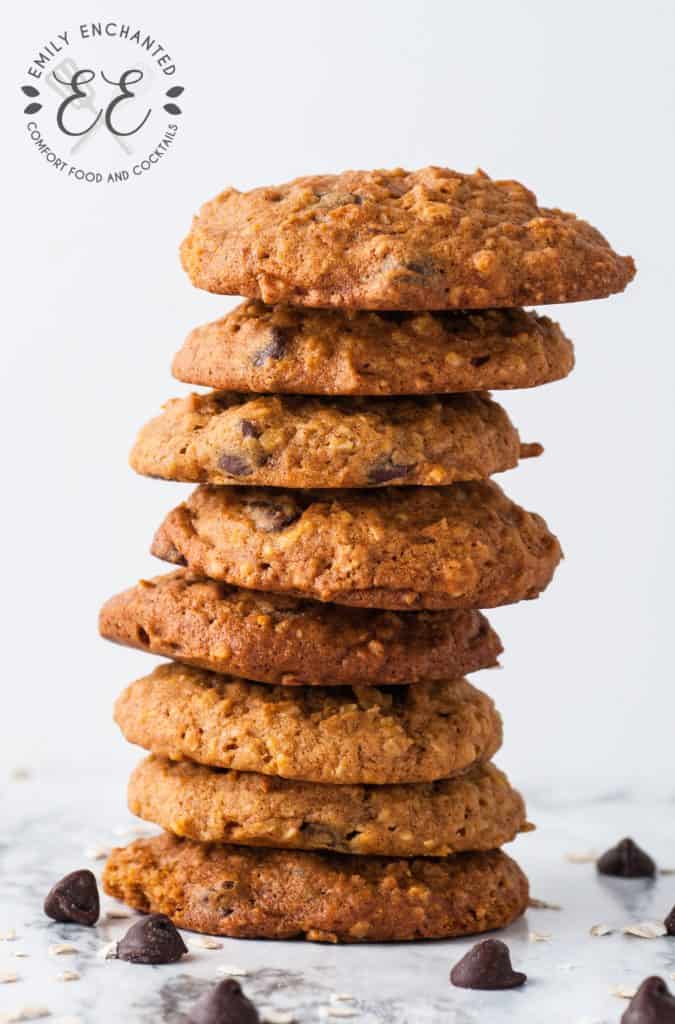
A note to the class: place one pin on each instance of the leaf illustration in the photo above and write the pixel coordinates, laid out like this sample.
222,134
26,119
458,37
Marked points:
175,91
33,108
30,90
171,108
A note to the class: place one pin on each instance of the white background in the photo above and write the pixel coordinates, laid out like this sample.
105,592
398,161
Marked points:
577,101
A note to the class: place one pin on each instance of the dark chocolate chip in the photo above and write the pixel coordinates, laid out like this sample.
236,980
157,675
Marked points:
270,517
626,860
670,922
153,940
487,965
235,465
274,349
74,899
388,470
250,429
652,1004
224,1004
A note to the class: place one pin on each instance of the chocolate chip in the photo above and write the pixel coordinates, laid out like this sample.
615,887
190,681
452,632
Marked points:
154,940
235,465
224,1004
272,517
74,899
250,429
274,349
385,470
670,922
480,361
487,965
626,860
652,1004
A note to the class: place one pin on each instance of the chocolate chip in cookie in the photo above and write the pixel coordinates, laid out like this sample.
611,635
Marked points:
387,469
273,516
74,899
235,465
250,429
670,922
626,860
274,349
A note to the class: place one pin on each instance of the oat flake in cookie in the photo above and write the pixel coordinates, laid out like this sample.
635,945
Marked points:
290,350
283,894
387,240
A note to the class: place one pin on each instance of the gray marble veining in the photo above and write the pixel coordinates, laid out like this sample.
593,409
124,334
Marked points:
49,821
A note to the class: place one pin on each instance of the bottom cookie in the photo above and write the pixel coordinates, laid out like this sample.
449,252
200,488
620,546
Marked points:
281,894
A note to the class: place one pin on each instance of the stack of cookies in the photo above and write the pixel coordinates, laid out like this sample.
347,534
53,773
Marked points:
319,764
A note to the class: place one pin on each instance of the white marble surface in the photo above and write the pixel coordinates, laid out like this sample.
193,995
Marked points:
48,822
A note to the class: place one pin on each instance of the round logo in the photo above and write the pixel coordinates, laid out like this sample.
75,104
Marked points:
102,102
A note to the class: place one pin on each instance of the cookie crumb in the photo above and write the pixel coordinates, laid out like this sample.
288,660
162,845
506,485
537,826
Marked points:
7,977
341,997
277,1017
540,936
62,949
337,1012
645,929
8,936
19,774
68,976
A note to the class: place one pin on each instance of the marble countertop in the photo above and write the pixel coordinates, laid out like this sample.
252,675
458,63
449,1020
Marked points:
57,822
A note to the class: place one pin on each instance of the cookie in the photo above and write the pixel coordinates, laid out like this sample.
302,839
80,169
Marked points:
274,638
291,350
464,546
245,893
476,811
340,735
427,239
294,441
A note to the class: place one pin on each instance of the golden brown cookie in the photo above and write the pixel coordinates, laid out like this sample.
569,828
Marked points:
294,441
274,638
427,239
464,546
476,811
281,894
341,735
287,349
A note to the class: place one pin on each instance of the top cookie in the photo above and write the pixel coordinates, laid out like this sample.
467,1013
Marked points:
287,350
428,239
